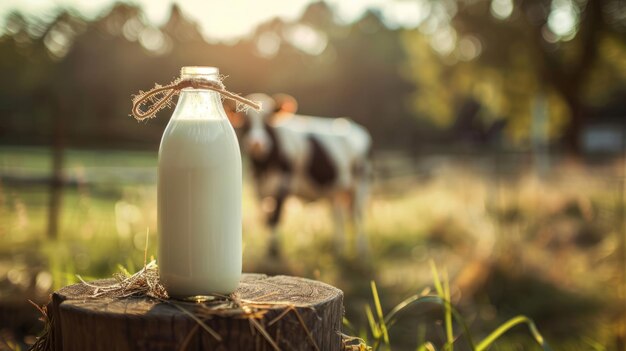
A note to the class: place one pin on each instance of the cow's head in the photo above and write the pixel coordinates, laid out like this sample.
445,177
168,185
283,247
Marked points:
254,127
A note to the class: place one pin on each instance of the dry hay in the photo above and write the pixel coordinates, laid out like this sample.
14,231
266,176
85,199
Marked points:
143,283
46,341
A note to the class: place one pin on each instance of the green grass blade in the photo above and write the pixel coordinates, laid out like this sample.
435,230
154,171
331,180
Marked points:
485,343
594,344
429,299
436,280
448,312
427,346
372,322
379,312
130,265
444,292
123,269
401,306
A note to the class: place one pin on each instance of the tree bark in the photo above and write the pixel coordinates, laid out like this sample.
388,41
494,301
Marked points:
141,323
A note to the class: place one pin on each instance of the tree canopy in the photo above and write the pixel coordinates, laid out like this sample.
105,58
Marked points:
73,78
506,54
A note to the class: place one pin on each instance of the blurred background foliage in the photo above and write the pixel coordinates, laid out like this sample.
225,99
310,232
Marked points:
499,129
487,62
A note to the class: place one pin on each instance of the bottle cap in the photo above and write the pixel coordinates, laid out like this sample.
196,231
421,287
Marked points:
199,71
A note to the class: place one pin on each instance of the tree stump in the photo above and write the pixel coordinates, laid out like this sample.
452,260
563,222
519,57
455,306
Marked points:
142,323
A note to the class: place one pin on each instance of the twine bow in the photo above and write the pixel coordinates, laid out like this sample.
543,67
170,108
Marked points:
161,96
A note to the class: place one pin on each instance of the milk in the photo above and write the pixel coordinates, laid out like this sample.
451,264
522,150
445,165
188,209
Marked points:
199,201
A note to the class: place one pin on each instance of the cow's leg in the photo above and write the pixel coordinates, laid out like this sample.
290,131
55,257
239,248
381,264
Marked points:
340,235
360,196
340,205
272,221
274,217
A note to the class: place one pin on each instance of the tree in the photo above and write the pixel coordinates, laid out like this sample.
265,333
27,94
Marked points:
505,53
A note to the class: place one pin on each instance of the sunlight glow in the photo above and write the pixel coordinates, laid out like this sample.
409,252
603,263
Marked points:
444,41
438,19
501,9
153,40
59,39
132,28
230,20
406,14
306,39
469,48
223,20
268,44
563,19
350,10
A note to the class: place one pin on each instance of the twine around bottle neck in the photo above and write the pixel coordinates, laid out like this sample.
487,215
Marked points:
161,96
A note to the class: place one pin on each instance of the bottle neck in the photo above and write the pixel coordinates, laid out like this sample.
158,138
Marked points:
199,104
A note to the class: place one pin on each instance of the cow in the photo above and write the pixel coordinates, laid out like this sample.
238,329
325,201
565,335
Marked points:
307,157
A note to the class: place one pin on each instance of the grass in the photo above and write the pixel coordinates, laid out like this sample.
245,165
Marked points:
379,328
512,244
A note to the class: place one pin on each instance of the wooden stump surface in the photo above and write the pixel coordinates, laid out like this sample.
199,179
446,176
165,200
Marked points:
142,323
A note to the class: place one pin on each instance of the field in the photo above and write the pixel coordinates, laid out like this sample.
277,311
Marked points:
515,236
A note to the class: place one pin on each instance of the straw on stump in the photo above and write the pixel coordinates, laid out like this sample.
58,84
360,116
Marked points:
296,314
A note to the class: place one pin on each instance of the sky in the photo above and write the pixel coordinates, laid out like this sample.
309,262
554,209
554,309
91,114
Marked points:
228,20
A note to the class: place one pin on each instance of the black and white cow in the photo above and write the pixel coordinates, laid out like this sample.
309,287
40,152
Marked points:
307,157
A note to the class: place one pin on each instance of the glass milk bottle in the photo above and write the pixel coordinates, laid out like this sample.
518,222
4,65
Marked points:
199,195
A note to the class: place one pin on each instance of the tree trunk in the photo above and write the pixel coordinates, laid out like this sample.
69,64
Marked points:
142,323
568,77
573,132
